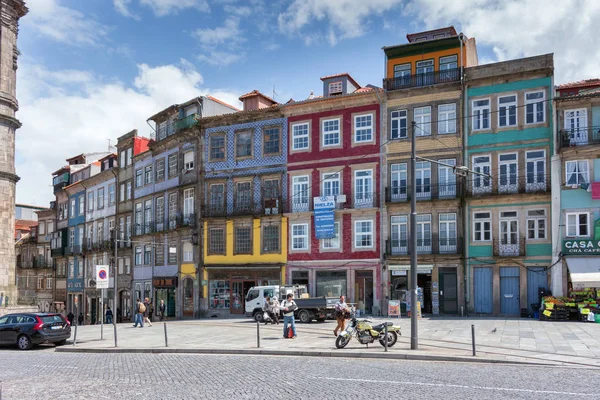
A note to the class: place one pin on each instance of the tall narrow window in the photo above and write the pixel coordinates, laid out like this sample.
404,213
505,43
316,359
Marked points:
188,160
334,242
482,182
363,128
402,76
173,161
507,180
425,73
399,230
188,205
577,172
447,178
363,188
100,198
422,117
172,210
481,114
424,233
243,196
90,201
139,178
330,129
535,107
148,216
447,233
243,240
398,124
299,236
536,170
300,193
128,190
536,224
217,148
243,144
159,211
139,218
160,170
300,139
111,194
482,227
423,175
446,118
331,184
216,241
217,198
399,181
363,234
507,111
272,141
148,175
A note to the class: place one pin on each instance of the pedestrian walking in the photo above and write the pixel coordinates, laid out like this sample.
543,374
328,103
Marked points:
267,310
151,310
70,317
147,311
274,310
340,308
80,319
109,315
288,306
119,315
161,309
140,308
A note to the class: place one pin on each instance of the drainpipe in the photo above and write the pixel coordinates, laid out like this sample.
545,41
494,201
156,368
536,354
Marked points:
464,207
556,280
382,210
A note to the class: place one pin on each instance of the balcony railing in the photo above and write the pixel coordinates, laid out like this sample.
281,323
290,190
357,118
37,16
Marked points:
401,194
185,122
69,250
365,200
509,248
579,136
419,80
432,245
267,206
508,185
41,262
59,252
186,220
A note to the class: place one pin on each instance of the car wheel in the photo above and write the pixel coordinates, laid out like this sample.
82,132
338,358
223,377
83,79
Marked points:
24,342
61,343
304,317
258,316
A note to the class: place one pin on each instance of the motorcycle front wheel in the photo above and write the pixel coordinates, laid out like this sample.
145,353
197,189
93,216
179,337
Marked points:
392,338
342,341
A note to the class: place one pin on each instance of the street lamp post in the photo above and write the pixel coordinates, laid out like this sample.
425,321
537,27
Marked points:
414,339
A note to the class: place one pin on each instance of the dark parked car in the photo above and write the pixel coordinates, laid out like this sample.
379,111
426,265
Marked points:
28,329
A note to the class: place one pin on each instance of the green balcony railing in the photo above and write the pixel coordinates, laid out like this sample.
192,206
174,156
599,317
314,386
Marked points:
185,122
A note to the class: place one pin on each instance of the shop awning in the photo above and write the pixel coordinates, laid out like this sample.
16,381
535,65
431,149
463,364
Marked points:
421,268
584,271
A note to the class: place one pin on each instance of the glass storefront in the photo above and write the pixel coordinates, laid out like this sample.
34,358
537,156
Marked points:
168,295
331,283
188,298
301,278
227,289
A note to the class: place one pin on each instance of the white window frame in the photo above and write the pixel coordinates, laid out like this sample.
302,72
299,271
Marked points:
188,202
360,234
422,117
506,107
508,220
479,181
358,131
335,133
81,204
329,179
398,117
188,253
535,183
365,198
138,257
188,164
301,236
479,116
582,170
121,193
533,105
399,174
536,224
334,242
298,204
446,119
577,232
333,87
509,186
100,200
482,221
300,137
90,201
128,188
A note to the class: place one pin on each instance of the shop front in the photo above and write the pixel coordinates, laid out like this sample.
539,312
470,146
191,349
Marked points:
74,295
187,274
228,287
165,289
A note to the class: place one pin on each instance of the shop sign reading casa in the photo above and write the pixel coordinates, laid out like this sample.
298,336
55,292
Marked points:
581,246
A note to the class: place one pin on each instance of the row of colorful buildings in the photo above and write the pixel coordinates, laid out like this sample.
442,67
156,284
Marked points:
220,199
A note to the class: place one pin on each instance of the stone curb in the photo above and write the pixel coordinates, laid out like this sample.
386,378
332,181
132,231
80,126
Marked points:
297,353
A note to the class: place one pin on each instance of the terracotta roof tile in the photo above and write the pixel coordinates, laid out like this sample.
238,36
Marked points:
341,75
580,84
222,103
256,93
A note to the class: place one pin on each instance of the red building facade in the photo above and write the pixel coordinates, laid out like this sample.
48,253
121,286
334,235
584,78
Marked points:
334,150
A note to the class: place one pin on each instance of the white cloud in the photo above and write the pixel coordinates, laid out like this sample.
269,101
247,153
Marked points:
221,45
514,29
62,24
242,11
345,18
162,8
72,111
122,7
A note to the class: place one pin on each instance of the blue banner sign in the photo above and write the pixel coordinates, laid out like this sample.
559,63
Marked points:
324,217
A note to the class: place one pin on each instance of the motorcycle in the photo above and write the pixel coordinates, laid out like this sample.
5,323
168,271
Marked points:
367,334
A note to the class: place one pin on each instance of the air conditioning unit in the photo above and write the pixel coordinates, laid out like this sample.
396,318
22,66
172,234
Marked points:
340,198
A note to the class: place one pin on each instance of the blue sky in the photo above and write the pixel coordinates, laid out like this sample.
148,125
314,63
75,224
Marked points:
92,70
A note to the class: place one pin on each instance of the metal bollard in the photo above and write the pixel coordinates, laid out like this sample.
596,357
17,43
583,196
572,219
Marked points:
473,338
258,334
75,336
386,337
166,340
115,328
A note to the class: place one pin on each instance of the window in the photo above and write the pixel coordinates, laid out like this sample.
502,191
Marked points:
447,178
217,148
447,227
90,201
49,282
299,236
577,172
172,254
363,128
148,216
216,241
507,110
535,107
40,282
331,184
424,233
300,136
363,234
42,228
399,230
148,174
399,124
138,255
128,191
536,224
111,194
122,159
120,266
482,227
121,231
173,161
446,118
188,252
159,212
147,255
331,132
507,180
188,160
399,181
128,229
128,266
139,178
482,183
243,196
217,197
219,294
100,198
160,170
578,225
272,141
271,239
363,188
576,126
243,144
334,242
188,204
448,63
139,216
402,74
243,240
50,226
159,254
71,269
300,193
271,189
121,192
331,283
425,72
422,117
335,87
423,176
509,232
481,114
536,170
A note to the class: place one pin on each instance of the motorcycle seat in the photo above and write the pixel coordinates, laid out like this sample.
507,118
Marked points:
381,327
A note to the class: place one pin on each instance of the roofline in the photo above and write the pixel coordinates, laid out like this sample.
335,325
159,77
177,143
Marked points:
385,48
339,76
330,98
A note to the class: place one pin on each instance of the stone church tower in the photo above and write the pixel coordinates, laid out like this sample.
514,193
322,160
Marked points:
10,13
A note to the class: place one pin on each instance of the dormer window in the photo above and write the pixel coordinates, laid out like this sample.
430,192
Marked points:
421,38
335,88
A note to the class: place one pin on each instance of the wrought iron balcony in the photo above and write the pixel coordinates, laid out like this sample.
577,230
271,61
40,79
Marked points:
432,245
215,210
420,80
509,248
69,250
300,204
365,200
579,136
432,191
186,122
503,185
41,262
186,220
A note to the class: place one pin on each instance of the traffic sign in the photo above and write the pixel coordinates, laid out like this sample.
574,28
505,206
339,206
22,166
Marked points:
101,276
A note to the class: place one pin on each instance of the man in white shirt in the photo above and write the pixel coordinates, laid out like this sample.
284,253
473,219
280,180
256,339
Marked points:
340,308
288,306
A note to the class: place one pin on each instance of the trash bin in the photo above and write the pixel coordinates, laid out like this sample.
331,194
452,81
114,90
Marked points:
536,310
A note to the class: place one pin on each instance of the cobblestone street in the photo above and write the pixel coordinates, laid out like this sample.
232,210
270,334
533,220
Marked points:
44,374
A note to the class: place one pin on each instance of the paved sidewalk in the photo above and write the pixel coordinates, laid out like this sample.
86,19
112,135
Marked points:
444,339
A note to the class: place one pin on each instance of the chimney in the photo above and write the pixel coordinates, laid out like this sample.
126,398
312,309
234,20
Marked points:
255,100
